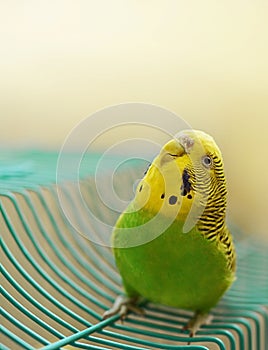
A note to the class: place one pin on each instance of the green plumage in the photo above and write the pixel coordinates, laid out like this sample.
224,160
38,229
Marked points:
171,244
184,270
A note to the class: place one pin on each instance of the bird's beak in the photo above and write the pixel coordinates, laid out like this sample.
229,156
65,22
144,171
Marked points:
178,146
174,148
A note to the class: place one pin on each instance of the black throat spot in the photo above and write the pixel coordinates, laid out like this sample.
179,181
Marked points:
186,186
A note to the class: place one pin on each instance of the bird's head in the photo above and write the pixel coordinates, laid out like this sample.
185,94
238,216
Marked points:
187,177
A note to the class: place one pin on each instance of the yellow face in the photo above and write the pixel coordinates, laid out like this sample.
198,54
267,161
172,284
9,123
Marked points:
184,176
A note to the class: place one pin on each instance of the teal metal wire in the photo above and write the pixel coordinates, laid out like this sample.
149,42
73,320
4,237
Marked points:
56,284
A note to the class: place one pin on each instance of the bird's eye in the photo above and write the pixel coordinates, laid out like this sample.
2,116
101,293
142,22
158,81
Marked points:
207,161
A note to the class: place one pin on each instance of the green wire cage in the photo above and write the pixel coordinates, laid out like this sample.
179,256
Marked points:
56,284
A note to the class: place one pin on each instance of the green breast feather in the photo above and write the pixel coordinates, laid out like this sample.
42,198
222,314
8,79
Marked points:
184,270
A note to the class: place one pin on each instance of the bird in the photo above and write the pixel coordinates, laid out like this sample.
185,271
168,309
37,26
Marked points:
171,244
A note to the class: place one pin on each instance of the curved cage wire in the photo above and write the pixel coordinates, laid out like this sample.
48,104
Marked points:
56,284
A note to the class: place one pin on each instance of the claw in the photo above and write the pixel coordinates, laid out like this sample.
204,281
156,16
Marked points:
122,306
196,322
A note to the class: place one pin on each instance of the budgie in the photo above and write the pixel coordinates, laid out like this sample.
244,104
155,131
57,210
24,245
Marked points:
171,244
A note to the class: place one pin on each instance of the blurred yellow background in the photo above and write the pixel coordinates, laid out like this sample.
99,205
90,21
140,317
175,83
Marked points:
205,60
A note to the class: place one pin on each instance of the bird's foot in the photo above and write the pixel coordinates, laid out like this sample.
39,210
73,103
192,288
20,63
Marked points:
122,306
196,322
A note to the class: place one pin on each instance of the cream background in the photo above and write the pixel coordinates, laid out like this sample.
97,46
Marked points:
205,60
